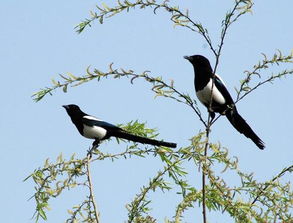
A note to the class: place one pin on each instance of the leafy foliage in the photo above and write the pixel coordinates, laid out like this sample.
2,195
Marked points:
277,59
274,198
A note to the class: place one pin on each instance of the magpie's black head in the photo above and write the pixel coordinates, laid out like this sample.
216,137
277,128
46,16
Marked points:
73,110
198,61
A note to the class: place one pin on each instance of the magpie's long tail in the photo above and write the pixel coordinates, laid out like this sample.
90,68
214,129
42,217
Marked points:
144,140
240,124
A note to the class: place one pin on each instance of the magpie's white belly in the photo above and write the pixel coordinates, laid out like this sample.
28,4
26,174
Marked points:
94,132
204,95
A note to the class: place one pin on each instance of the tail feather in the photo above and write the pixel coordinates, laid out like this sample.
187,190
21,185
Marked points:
144,140
241,126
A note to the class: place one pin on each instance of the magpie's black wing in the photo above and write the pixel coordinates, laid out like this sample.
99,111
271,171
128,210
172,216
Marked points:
92,121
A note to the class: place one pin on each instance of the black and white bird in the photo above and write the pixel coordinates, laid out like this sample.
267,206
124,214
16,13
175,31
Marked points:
93,128
220,101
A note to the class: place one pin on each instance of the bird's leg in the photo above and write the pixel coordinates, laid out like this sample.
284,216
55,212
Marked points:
212,115
95,145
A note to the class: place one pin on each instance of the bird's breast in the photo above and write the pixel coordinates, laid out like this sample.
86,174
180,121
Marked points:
204,95
94,132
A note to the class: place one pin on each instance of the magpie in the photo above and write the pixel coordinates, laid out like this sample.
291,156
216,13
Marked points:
220,101
93,128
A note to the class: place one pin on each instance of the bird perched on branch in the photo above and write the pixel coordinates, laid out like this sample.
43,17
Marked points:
212,92
93,128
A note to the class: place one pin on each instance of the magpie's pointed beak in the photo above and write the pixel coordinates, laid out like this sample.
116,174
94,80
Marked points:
187,57
65,106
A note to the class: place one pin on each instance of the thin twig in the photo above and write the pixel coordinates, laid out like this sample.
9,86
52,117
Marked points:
142,196
290,168
224,32
89,178
188,102
204,180
204,167
74,214
204,34
260,84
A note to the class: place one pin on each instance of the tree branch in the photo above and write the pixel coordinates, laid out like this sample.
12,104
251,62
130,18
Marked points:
90,184
288,169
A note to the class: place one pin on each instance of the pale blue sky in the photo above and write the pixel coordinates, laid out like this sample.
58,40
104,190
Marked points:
38,42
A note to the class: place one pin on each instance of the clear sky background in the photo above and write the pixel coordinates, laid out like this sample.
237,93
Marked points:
38,42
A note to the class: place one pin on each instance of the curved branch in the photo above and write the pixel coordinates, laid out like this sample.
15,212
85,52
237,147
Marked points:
288,169
152,185
160,87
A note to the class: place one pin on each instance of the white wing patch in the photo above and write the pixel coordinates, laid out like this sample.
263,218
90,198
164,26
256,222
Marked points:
92,118
204,95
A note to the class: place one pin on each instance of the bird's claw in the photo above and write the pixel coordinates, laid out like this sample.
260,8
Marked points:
95,145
